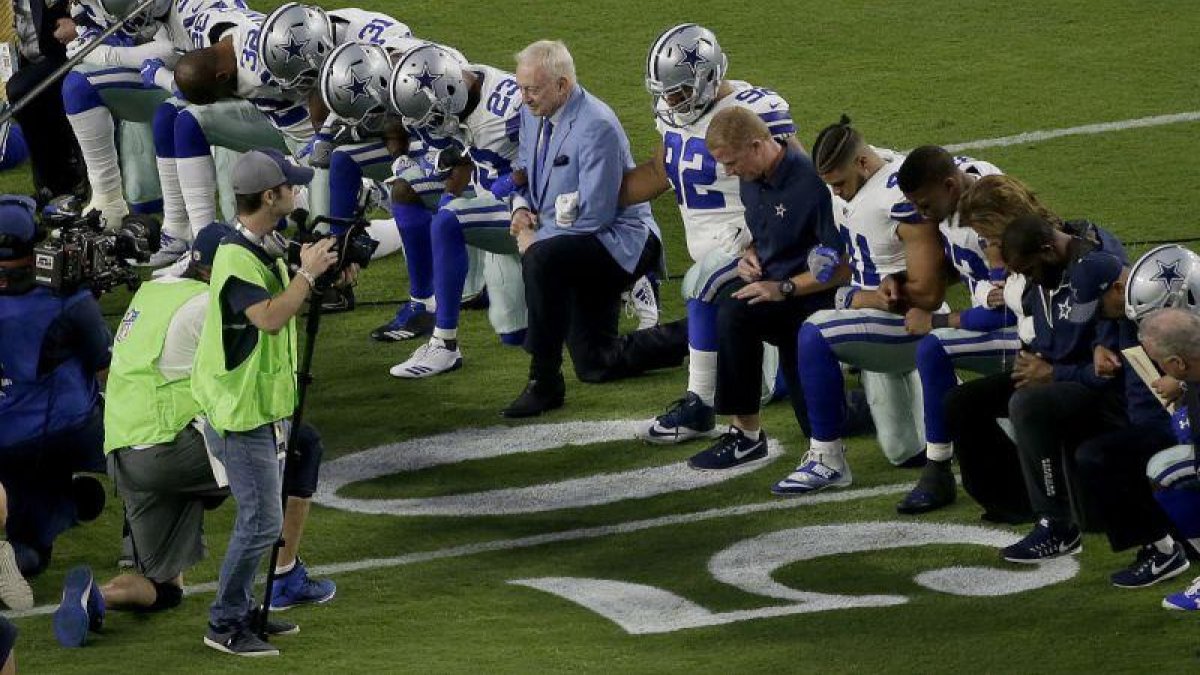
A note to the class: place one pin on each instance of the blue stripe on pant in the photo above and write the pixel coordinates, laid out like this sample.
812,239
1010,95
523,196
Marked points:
450,249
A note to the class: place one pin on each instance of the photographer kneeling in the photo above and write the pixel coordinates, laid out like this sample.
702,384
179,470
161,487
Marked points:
244,379
53,350
158,460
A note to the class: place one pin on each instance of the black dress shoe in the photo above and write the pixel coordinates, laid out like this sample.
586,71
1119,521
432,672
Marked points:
539,396
935,489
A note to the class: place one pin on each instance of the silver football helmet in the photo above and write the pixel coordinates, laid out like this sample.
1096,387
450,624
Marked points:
293,43
683,73
354,84
428,90
1167,276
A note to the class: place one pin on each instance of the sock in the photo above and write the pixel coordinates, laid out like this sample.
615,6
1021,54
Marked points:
748,432
446,334
175,221
937,379
939,452
824,386
414,221
345,181
449,248
1165,545
94,130
196,170
1182,506
429,303
280,570
702,374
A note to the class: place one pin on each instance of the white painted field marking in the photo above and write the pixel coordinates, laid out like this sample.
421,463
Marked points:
1084,130
470,444
579,534
750,564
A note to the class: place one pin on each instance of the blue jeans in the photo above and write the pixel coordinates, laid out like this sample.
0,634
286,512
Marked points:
254,472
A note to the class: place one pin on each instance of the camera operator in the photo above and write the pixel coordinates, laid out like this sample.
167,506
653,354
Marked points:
244,379
158,460
54,349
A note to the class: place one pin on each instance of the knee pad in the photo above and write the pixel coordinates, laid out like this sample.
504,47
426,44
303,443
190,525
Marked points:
166,596
78,94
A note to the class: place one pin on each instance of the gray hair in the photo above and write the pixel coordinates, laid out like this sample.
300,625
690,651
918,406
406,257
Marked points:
551,56
1174,332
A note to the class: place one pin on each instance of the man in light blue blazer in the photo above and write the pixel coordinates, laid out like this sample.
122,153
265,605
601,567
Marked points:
580,249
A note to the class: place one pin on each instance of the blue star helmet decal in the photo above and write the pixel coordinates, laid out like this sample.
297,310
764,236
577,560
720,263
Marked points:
294,49
426,79
1168,275
691,57
357,88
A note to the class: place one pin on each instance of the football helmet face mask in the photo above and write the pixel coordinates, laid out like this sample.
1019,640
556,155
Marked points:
429,90
1167,276
684,71
294,41
354,84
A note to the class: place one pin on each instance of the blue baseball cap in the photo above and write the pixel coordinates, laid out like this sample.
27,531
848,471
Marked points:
1091,277
266,169
208,239
16,225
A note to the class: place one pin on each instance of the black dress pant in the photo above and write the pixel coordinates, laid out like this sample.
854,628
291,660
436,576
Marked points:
53,153
573,291
741,330
1112,468
987,457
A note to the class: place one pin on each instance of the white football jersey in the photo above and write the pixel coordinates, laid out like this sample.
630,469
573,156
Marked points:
359,25
869,225
286,109
182,17
709,199
963,247
490,132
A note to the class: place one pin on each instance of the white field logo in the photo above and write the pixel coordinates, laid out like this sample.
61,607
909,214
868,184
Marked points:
747,565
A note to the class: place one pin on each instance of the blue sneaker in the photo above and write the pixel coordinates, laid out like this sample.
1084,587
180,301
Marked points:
1151,566
1046,541
1187,600
295,588
684,419
412,320
732,449
815,472
81,609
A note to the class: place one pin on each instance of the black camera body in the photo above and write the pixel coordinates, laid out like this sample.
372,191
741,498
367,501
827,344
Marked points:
78,251
353,246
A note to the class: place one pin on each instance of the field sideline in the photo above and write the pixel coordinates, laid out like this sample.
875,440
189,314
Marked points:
1092,103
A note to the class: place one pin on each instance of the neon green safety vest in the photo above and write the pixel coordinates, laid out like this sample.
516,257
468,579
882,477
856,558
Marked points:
262,388
141,406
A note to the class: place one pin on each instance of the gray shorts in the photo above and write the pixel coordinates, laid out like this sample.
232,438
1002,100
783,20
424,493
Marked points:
165,488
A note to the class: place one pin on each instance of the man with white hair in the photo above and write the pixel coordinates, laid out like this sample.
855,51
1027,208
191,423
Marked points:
579,247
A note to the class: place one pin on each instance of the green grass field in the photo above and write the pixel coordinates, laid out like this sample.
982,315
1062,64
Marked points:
432,593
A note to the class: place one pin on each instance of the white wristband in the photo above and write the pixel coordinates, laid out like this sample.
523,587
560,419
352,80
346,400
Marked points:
308,276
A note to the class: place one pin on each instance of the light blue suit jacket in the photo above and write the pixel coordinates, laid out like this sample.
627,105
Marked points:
588,153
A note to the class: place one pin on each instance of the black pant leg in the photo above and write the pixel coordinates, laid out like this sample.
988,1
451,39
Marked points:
53,153
548,299
987,457
1112,472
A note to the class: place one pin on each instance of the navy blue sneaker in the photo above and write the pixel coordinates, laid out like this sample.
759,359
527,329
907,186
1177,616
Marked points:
732,449
1151,566
81,609
412,320
684,419
1047,540
296,588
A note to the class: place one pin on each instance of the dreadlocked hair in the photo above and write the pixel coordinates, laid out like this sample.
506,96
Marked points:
836,145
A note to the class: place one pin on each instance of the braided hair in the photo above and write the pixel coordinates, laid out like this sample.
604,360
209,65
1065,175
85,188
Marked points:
836,145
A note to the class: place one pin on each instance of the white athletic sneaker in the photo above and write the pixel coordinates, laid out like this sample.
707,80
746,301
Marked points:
431,358
816,472
169,250
640,302
14,590
176,268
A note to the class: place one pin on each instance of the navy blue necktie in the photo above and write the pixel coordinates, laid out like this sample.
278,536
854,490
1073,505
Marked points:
539,163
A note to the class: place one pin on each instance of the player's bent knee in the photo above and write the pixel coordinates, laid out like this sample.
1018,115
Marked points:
930,350
78,94
190,140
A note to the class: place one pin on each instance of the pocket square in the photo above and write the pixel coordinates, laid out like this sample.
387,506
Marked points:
561,160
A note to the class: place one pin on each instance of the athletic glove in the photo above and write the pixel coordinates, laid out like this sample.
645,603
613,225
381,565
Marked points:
150,68
823,262
843,298
503,186
320,149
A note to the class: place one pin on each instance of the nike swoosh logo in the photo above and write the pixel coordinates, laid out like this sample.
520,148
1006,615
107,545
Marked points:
774,106
739,455
662,434
1156,570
